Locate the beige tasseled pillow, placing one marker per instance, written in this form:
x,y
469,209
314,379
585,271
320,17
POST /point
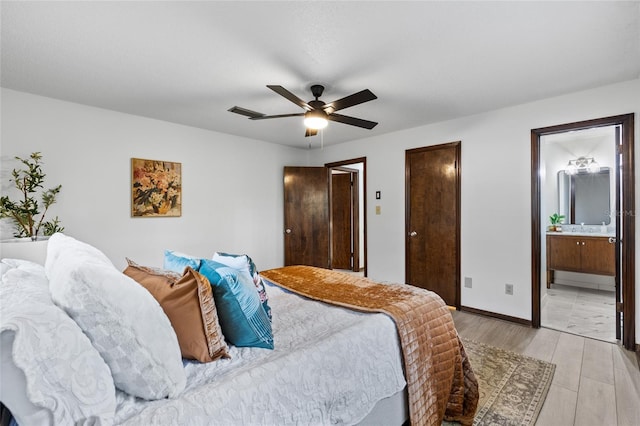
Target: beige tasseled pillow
x,y
188,302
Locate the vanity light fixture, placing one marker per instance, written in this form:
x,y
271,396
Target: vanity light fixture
x,y
593,166
582,165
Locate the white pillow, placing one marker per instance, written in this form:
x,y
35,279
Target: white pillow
x,y
235,261
51,374
122,319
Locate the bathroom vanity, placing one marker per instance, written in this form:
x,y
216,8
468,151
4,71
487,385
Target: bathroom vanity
x,y
588,253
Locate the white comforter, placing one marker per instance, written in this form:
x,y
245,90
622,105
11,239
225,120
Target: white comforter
x,y
329,366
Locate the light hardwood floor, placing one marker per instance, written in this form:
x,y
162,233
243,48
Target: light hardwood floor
x,y
595,382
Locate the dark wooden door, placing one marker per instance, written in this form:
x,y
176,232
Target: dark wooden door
x,y
341,220
306,216
433,220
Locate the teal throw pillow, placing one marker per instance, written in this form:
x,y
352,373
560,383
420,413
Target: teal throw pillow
x,y
247,271
243,319
176,261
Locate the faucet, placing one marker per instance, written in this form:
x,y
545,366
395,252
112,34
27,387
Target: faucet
x,y
581,226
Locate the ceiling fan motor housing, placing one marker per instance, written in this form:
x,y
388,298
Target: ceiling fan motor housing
x,y
316,90
317,104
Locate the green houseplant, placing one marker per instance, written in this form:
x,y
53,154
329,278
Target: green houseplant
x,y
556,222
26,213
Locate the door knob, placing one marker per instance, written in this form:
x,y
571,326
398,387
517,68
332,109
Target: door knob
x,y
288,231
413,233
612,240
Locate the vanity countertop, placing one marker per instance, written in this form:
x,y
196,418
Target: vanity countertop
x,y
582,234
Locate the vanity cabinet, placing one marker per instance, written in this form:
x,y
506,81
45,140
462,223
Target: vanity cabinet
x,y
589,255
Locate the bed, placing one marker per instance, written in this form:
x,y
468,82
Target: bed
x,y
330,363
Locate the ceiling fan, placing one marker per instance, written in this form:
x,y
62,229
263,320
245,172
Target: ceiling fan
x,y
317,112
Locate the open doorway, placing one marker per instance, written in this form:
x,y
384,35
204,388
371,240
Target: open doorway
x,y
348,218
588,252
308,222
578,261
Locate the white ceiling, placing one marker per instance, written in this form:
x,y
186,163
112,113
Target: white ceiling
x,y
189,62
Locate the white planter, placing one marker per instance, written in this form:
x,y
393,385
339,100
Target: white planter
x,y
24,248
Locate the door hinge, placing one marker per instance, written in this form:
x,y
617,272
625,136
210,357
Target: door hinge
x,y
619,306
618,149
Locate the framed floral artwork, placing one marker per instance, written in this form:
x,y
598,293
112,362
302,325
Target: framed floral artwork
x,y
156,188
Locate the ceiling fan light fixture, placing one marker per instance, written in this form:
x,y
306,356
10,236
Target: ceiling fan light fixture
x,y
315,119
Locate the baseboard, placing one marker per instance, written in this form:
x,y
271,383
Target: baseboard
x,y
495,315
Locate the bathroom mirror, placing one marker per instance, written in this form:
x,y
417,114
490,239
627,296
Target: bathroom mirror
x,y
585,197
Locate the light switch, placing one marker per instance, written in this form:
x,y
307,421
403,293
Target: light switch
x,y
377,209
378,195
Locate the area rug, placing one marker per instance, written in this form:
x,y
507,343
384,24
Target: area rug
x,y
513,387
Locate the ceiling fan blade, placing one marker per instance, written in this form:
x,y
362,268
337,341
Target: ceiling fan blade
x,y
345,119
362,96
264,117
310,132
287,94
243,111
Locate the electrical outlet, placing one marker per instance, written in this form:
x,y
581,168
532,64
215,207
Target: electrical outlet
x,y
467,282
377,209
508,289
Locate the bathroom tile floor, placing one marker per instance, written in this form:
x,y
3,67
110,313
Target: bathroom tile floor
x,y
581,311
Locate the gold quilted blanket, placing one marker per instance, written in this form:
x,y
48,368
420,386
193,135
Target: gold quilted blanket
x,y
440,381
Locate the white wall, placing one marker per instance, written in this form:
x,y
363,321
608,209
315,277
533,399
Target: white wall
x,y
232,195
496,190
232,187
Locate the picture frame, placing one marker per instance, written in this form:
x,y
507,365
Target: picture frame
x,y
156,188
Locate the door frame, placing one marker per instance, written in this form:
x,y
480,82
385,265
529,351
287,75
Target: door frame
x,y
627,254
346,163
